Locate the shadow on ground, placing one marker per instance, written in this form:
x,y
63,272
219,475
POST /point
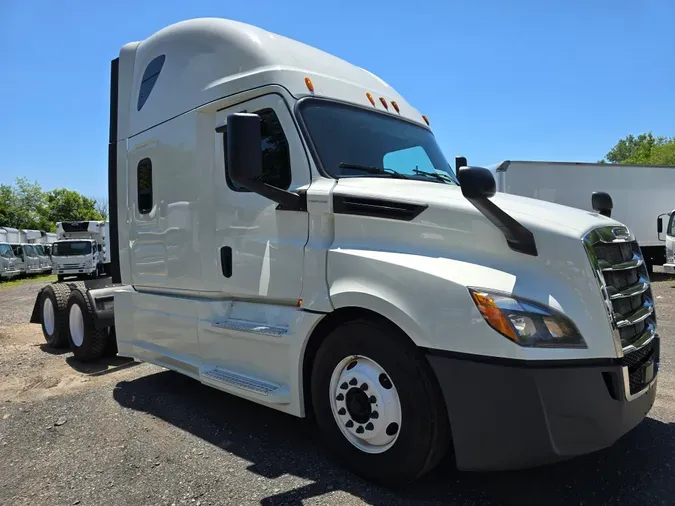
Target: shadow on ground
x,y
102,366
636,470
44,347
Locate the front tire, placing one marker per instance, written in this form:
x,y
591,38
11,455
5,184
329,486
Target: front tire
x,y
377,403
54,317
86,341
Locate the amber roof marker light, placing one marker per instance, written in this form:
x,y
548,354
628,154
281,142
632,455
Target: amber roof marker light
x,y
370,98
309,84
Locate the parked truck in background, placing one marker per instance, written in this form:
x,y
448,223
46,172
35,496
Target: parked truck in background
x,y
82,249
669,219
640,193
8,268
326,261
37,239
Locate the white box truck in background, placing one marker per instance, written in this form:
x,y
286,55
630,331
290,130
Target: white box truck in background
x,y
640,193
312,268
8,267
669,220
82,249
37,239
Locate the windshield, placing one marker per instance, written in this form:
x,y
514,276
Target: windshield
x,y
30,250
71,248
352,142
40,249
6,251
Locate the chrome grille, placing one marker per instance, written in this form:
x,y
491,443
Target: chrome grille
x,y
623,278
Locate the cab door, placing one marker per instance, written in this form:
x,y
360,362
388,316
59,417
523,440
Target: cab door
x,y
255,267
670,240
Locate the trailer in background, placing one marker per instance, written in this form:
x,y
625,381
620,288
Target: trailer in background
x,y
640,193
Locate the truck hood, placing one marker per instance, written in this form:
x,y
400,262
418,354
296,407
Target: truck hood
x,y
531,213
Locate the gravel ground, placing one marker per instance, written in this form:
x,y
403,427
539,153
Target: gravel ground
x,y
118,432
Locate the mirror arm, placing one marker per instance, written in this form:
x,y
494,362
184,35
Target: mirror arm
x,y
288,201
518,237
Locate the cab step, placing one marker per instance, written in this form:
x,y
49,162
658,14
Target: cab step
x,y
229,380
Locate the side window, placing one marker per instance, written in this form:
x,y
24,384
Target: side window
x,y
144,185
671,226
149,79
276,157
405,160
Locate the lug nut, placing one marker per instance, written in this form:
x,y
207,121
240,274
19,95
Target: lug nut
x,y
372,399
353,381
340,397
349,424
359,429
375,415
364,386
342,411
344,386
370,426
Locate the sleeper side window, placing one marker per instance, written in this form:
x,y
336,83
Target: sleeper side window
x,y
149,79
276,157
144,185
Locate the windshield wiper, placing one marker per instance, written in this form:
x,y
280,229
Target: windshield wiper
x,y
373,170
440,177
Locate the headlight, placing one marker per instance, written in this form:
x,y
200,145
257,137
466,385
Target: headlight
x,y
525,322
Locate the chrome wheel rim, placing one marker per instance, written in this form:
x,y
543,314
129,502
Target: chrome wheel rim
x,y
365,404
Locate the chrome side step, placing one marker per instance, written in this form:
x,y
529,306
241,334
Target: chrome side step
x,y
236,382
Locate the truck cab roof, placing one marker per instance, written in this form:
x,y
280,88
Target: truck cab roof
x,y
194,62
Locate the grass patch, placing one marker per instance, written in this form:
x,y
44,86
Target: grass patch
x,y
44,278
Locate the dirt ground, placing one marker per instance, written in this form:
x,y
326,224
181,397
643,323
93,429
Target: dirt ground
x,y
119,432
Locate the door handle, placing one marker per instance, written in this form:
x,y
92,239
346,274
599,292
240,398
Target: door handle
x,y
226,261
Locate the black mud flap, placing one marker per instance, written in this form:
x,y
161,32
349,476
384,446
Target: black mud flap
x,y
36,315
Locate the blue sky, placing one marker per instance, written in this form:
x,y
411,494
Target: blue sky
x,y
519,79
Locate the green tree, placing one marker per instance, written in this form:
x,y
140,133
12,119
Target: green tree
x,y
643,149
69,205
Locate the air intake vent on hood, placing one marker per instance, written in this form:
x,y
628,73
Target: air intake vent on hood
x,y
377,208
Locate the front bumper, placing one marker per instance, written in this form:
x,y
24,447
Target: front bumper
x,y
518,415
669,268
9,274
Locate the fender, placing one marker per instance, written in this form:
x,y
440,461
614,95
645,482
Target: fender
x,y
441,314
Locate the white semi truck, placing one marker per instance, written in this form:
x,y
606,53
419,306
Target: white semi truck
x,y
327,262
82,249
640,193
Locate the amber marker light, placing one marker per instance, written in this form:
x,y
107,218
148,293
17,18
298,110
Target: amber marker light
x,y
370,98
309,84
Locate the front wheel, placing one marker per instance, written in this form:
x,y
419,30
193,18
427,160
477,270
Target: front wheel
x,y
377,403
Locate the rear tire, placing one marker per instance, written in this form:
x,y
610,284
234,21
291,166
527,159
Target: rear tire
x,y
378,404
86,341
53,315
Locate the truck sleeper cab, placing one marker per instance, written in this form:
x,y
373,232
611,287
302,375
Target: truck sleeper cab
x,y
326,259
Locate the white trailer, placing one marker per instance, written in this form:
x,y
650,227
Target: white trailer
x,y
640,193
324,261
82,249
